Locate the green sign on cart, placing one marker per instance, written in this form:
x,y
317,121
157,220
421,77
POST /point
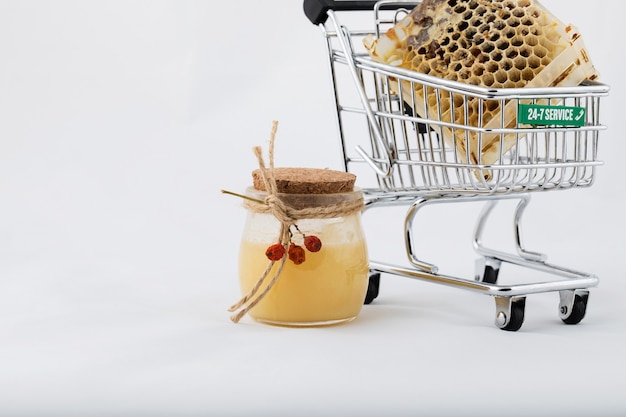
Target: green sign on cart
x,y
536,114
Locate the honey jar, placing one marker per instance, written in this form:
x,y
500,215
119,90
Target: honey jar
x,y
303,258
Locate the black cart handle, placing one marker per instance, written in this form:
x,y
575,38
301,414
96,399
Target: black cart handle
x,y
317,10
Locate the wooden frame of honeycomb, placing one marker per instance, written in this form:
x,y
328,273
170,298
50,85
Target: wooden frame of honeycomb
x,y
497,44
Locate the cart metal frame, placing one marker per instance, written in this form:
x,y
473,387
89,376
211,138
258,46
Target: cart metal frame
x,y
413,166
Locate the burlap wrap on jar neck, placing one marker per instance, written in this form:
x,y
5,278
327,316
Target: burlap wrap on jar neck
x,y
286,214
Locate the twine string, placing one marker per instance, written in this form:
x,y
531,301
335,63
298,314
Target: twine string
x,y
247,302
287,216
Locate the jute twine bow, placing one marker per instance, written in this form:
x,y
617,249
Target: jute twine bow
x,y
287,216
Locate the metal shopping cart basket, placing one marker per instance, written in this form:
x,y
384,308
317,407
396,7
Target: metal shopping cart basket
x,y
414,166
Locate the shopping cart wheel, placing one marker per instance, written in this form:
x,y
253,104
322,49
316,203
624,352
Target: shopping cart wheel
x,y
490,276
573,305
372,287
510,312
487,270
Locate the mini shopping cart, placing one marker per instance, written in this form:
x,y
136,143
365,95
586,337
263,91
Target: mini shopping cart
x,y
413,166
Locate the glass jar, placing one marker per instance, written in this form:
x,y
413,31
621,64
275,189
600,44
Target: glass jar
x,y
329,286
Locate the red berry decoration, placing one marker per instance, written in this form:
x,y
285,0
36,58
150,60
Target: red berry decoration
x,y
313,243
296,254
275,252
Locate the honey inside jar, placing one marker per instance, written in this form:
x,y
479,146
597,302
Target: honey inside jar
x,y
328,288
322,286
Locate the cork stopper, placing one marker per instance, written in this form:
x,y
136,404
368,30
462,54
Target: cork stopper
x,y
307,181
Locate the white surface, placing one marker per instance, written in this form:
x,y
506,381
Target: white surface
x,y
119,124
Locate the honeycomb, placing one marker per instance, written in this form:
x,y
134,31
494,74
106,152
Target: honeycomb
x,y
489,43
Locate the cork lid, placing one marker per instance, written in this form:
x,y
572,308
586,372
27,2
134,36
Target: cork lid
x,y
307,181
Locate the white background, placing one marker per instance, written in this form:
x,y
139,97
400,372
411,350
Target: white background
x,y
120,121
